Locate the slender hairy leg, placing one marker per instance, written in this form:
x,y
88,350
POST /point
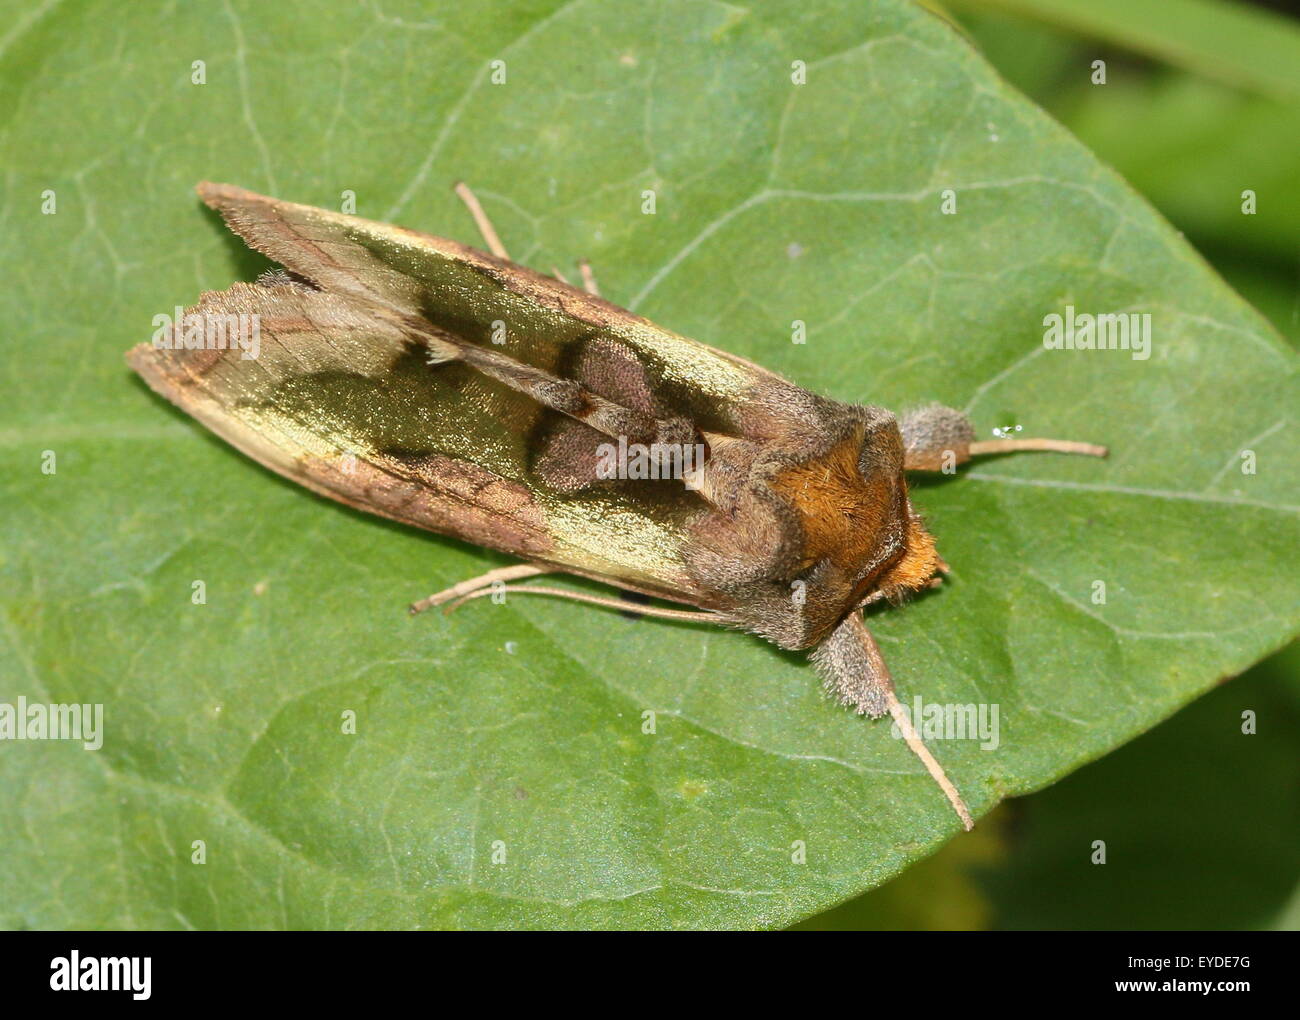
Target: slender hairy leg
x,y
493,240
481,221
483,582
688,615
937,438
855,673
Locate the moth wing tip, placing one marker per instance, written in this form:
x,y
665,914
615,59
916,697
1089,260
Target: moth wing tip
x,y
143,360
135,356
209,190
219,195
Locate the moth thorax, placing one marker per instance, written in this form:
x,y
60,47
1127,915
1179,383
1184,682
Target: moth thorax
x,y
845,517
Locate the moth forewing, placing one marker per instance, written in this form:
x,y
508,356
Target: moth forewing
x,y
426,381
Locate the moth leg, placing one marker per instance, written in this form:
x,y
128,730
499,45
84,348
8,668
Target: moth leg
x,y
483,582
588,277
688,615
854,673
937,438
481,221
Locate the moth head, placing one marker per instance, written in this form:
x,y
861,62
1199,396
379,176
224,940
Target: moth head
x,y
912,571
803,531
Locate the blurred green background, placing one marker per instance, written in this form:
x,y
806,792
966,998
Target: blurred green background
x,y
1201,823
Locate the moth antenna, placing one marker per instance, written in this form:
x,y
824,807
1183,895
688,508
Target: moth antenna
x,y
481,221
687,615
984,446
588,278
555,271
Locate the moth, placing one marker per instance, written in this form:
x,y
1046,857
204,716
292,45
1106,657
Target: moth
x,y
451,389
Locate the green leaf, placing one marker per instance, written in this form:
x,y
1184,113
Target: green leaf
x,y
519,727
1194,146
1199,819
1185,143
1236,43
